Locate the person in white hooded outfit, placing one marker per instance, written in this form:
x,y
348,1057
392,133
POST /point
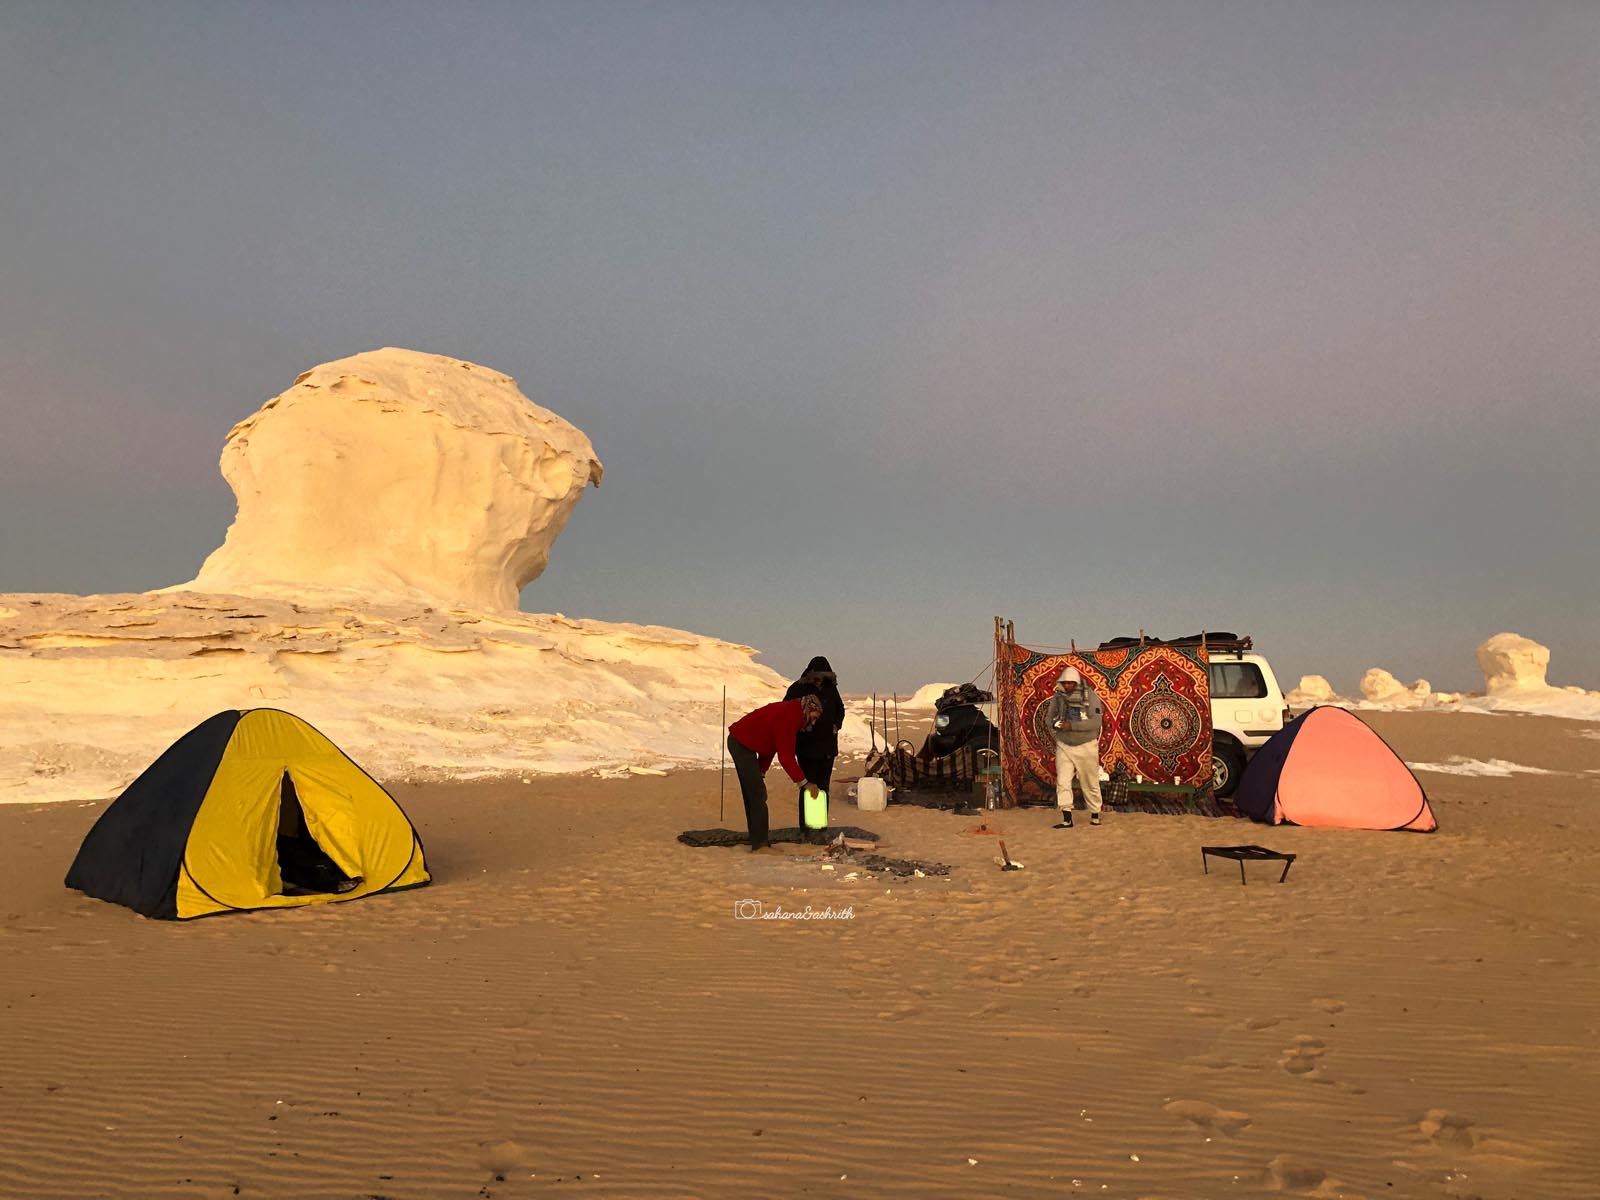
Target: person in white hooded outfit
x,y
1073,715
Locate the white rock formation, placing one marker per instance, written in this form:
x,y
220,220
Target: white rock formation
x,y
1380,686
1513,665
93,688
396,475
1380,689
926,695
1311,691
1514,670
391,505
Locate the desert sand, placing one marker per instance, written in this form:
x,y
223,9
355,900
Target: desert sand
x,y
573,1007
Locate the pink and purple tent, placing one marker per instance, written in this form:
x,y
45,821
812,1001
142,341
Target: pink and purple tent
x,y
1327,767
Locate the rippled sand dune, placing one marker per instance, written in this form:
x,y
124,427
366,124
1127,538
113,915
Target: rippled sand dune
x,y
574,1007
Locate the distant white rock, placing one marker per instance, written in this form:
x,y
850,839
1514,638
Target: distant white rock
x,y
1311,690
1380,689
1514,670
1512,664
397,475
925,695
1380,686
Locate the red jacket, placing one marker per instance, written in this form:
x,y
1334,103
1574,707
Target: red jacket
x,y
770,730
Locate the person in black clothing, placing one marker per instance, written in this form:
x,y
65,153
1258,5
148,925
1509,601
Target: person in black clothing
x,y
817,747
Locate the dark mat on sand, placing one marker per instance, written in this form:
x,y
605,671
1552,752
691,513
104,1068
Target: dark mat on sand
x,y
793,833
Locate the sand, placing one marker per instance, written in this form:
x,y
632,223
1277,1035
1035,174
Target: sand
x,y
573,1008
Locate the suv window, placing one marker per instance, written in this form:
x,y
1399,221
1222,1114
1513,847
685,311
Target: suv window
x,y
1237,681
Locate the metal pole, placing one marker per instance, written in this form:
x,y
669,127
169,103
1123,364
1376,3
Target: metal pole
x,y
722,786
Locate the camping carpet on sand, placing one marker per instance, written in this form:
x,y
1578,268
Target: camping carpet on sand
x,y
792,833
1157,714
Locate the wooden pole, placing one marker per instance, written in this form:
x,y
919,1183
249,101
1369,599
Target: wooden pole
x,y
1002,703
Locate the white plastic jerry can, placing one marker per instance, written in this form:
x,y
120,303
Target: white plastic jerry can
x,y
872,794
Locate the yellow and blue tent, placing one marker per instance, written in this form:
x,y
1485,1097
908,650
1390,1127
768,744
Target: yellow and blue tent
x,y
250,809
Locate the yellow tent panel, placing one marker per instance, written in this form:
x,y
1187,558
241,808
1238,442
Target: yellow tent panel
x,y
276,769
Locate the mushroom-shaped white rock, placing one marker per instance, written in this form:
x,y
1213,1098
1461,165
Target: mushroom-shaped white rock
x,y
398,474
1512,663
1312,690
1377,684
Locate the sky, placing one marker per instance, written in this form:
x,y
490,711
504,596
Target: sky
x,y
884,318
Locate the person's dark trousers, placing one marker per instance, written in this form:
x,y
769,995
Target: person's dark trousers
x,y
753,787
818,771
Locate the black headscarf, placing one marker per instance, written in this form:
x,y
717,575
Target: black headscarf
x,y
822,739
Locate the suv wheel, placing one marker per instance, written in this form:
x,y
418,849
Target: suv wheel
x,y
1227,764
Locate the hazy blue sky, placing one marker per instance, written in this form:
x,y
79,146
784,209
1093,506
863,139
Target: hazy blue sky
x,y
884,317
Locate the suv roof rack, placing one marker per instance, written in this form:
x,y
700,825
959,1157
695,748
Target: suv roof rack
x,y
1228,643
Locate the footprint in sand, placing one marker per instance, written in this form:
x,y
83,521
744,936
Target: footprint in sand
x,y
1207,1116
1256,1023
901,1013
1287,1173
1448,1129
1327,1005
503,1157
1301,1058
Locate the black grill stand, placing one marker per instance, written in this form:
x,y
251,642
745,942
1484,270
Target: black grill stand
x,y
1240,853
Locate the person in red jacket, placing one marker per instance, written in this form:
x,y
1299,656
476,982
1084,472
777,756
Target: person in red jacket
x,y
753,740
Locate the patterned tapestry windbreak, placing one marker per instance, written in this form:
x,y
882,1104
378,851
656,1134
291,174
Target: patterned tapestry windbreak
x,y
1157,714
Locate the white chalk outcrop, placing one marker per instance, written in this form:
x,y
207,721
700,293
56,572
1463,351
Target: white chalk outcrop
x,y
396,475
926,695
1513,665
391,505
93,688
1513,668
1310,692
1379,687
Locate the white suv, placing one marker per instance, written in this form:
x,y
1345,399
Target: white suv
x,y
1247,708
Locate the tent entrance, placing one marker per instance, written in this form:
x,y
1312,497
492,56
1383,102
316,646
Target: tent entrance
x,y
304,866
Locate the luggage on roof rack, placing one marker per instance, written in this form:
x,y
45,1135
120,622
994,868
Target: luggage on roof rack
x,y
962,693
1227,642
